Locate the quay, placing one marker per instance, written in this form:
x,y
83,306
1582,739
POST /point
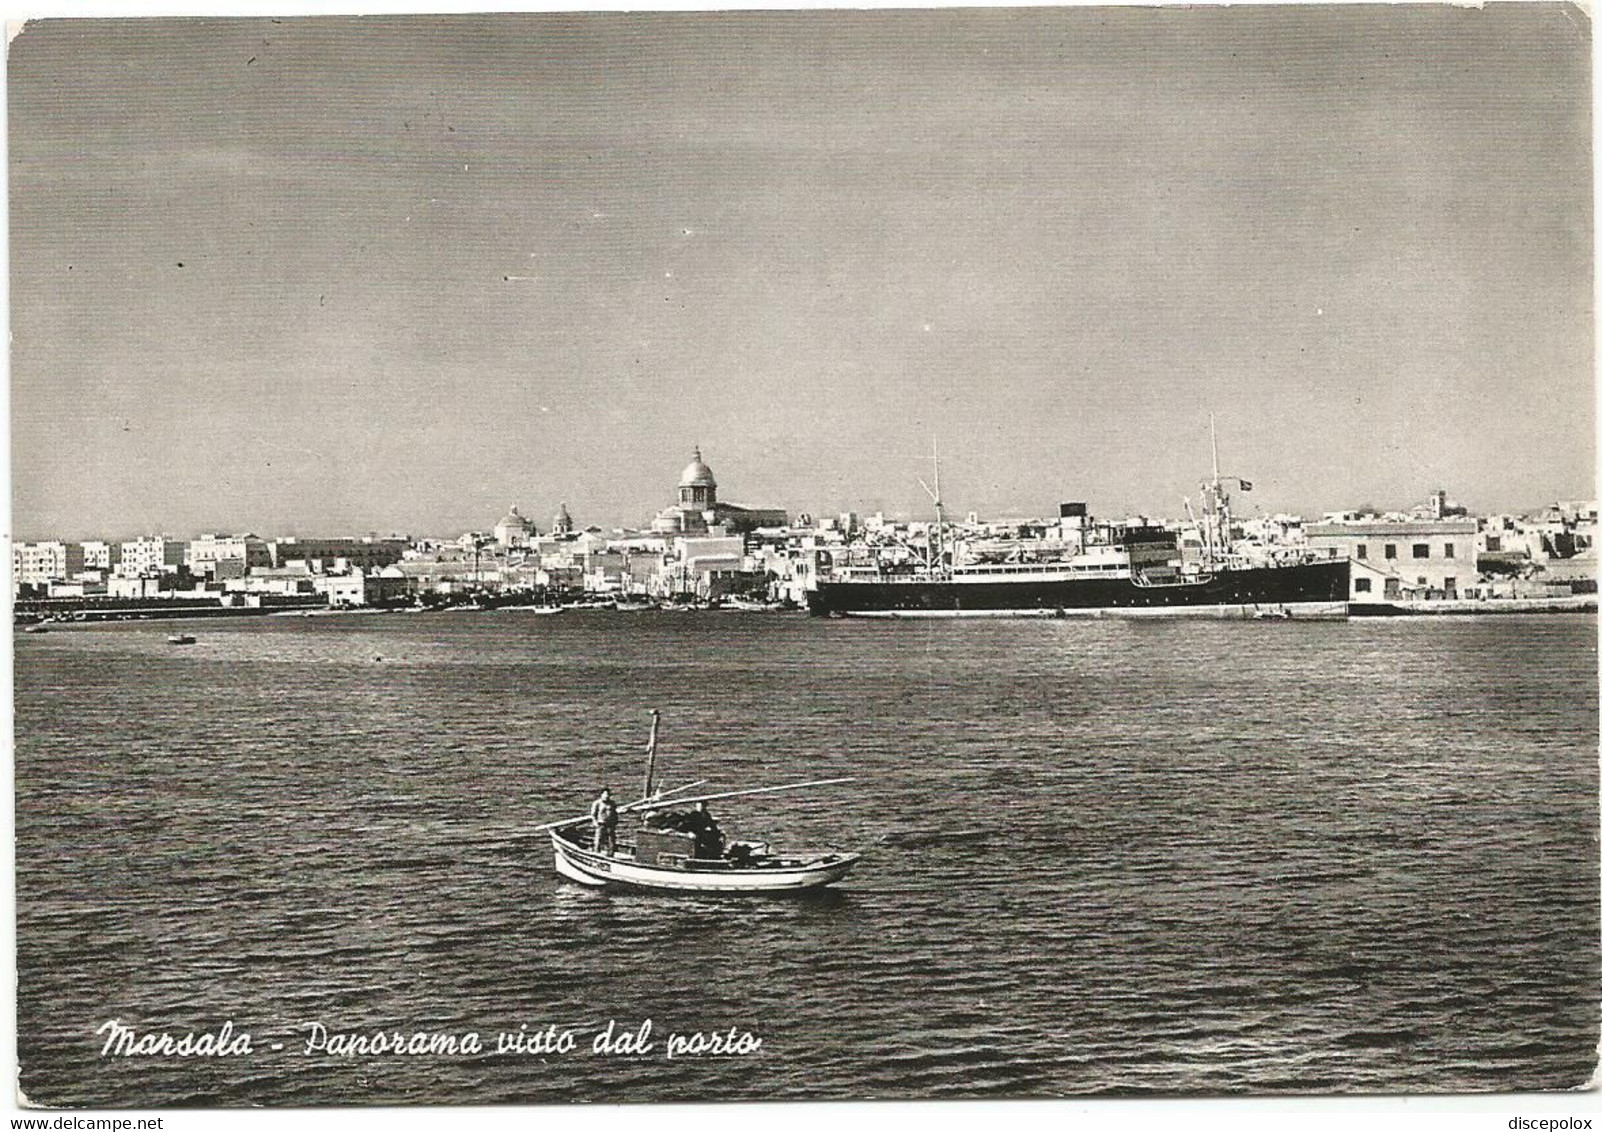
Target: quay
x,y
1474,607
85,610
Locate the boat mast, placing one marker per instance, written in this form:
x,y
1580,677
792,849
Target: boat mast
x,y
650,753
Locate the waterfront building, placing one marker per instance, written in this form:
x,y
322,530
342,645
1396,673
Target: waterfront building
x,y
103,556
142,585
246,552
638,570
559,577
582,545
40,563
1401,560
702,566
363,588
604,571
1533,554
86,585
1505,538
451,571
339,554
1578,571
293,579
152,554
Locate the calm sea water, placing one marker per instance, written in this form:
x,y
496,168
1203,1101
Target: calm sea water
x,y
1103,857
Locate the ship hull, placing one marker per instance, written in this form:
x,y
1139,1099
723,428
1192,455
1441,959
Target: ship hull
x,y
708,877
1310,590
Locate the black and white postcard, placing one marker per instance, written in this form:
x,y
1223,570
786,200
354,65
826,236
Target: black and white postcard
x,y
803,555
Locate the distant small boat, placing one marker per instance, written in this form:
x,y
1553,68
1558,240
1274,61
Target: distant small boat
x,y
748,605
37,627
547,610
1280,614
181,639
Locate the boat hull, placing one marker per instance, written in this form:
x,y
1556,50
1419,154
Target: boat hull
x,y
1310,590
599,870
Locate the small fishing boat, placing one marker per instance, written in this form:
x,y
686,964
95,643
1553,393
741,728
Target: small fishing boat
x,y
666,859
548,610
181,639
748,605
762,872
37,627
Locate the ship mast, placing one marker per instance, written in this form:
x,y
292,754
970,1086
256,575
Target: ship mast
x,y
1215,504
1212,429
1218,531
937,533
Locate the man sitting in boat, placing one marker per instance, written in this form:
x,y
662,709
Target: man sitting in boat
x,y
708,837
603,813
699,822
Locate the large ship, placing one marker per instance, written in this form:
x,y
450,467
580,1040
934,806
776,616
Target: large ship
x,y
1077,566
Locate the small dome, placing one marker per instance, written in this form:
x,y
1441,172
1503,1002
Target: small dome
x,y
697,474
513,518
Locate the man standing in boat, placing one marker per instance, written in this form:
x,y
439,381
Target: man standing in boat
x,y
603,812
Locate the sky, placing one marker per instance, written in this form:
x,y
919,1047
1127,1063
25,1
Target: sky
x,y
338,275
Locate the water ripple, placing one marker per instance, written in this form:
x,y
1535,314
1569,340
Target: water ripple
x,y
1104,859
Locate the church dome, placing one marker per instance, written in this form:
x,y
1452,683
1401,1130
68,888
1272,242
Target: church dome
x,y
697,474
513,519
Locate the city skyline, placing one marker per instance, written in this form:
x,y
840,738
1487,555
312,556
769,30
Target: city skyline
x,y
1244,508
321,274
